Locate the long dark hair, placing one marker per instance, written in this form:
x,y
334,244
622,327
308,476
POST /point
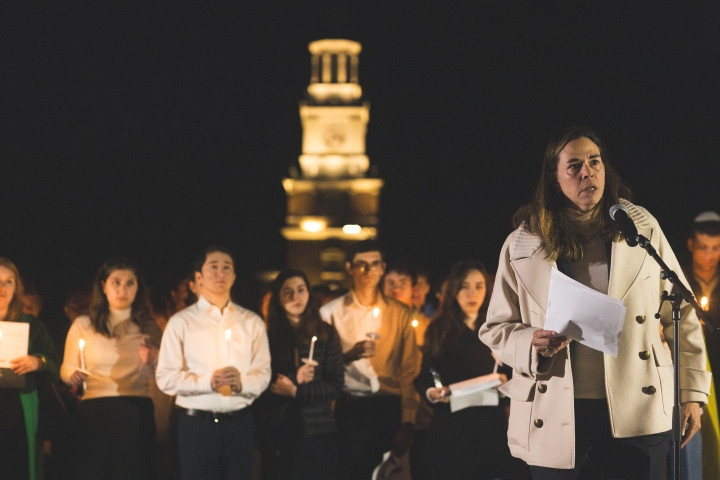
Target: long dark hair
x,y
99,307
280,330
14,311
546,214
447,327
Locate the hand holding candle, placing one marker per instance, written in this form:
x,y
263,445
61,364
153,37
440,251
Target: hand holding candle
x,y
81,374
307,372
81,344
705,304
372,336
226,388
312,348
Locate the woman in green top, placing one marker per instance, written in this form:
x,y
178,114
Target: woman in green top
x,y
20,456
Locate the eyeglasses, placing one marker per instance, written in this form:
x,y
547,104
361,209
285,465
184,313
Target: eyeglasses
x,y
365,267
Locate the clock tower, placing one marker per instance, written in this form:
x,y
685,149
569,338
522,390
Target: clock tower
x,y
331,201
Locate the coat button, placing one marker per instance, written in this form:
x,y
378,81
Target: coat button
x,y
640,319
538,423
644,355
649,390
542,388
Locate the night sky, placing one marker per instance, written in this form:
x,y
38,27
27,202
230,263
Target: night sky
x,y
155,131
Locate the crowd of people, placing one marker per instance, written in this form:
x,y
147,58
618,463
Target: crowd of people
x,y
364,383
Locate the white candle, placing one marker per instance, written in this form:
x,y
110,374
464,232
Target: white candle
x,y
81,344
312,349
227,336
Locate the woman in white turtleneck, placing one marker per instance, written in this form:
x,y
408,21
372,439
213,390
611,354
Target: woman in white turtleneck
x,y
115,365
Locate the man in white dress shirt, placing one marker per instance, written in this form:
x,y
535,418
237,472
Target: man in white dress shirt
x,y
215,358
377,410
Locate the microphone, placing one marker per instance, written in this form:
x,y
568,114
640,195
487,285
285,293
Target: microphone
x,y
619,213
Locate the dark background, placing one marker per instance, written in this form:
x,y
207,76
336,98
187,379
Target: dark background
x,y
154,131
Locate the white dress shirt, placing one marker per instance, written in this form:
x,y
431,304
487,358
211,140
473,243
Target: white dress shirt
x,y
396,362
195,344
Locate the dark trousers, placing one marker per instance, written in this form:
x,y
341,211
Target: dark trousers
x,y
216,450
14,462
367,427
600,456
117,438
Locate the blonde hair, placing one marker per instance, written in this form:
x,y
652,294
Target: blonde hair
x,y
14,311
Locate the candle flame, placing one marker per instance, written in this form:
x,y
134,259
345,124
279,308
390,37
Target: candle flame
x,y
704,303
414,323
227,334
81,343
0,334
314,339
376,312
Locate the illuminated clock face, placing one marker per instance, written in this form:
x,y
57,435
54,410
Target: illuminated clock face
x,y
334,136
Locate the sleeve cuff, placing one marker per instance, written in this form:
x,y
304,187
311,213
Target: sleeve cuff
x,y
427,395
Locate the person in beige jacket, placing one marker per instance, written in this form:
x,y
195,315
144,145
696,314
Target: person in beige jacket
x,y
575,411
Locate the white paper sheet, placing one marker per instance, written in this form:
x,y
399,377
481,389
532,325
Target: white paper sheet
x,y
13,341
583,314
476,392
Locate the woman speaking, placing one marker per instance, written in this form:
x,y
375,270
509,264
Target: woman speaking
x,y
575,411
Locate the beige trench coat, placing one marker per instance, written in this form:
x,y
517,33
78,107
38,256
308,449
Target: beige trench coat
x,y
638,383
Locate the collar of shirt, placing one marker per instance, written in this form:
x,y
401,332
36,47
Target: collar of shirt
x,y
352,301
206,307
119,316
708,287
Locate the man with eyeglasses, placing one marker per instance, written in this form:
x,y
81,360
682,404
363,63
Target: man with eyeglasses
x,y
377,410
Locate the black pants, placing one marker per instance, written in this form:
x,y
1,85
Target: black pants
x,y
367,427
14,462
600,456
216,450
117,438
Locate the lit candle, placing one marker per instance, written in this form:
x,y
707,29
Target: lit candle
x,y
81,344
227,336
414,323
704,303
376,312
312,349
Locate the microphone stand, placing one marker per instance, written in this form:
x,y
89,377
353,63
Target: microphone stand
x,y
675,299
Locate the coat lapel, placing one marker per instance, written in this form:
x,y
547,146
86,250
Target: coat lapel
x,y
532,269
534,274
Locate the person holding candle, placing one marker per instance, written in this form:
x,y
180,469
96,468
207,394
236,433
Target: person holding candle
x,y
377,410
20,455
399,283
702,455
112,352
297,431
468,443
214,374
